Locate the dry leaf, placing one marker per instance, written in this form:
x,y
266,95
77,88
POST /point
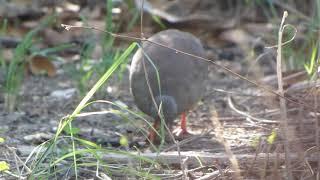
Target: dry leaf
x,y
41,65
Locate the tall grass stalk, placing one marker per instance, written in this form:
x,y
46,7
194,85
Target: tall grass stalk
x,y
15,72
51,154
15,69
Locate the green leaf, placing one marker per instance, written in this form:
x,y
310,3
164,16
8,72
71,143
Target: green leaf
x,y
124,141
4,166
272,137
88,143
2,140
158,21
311,66
51,50
73,130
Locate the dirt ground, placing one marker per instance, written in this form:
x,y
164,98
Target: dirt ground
x,y
39,113
234,115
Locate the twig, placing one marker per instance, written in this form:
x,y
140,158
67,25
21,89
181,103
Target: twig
x,y
201,168
267,89
288,41
14,175
317,136
283,107
252,163
191,139
242,93
316,106
212,175
17,158
152,96
257,60
159,110
247,115
170,158
220,136
184,166
241,118
102,176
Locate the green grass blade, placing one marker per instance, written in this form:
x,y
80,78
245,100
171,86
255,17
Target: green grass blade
x,y
100,82
47,51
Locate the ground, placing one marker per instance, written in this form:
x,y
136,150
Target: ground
x,y
234,117
39,113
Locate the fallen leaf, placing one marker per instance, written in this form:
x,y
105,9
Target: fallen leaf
x,y
4,166
41,65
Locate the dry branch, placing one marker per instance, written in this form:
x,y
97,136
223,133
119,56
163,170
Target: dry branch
x,y
198,158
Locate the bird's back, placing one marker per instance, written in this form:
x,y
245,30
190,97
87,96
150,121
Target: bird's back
x,y
182,77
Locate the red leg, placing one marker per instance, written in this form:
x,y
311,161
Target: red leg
x,y
152,134
183,126
183,123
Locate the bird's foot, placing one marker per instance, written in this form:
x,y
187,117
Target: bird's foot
x,y
181,133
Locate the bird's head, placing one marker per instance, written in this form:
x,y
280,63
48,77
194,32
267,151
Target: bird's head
x,y
168,107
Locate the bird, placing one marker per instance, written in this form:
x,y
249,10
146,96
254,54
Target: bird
x,y
166,78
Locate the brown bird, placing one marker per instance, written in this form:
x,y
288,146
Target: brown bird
x,y
176,80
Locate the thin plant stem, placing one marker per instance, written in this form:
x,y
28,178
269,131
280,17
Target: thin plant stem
x,y
265,88
283,107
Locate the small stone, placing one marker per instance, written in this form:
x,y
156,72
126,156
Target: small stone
x,y
37,138
64,94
